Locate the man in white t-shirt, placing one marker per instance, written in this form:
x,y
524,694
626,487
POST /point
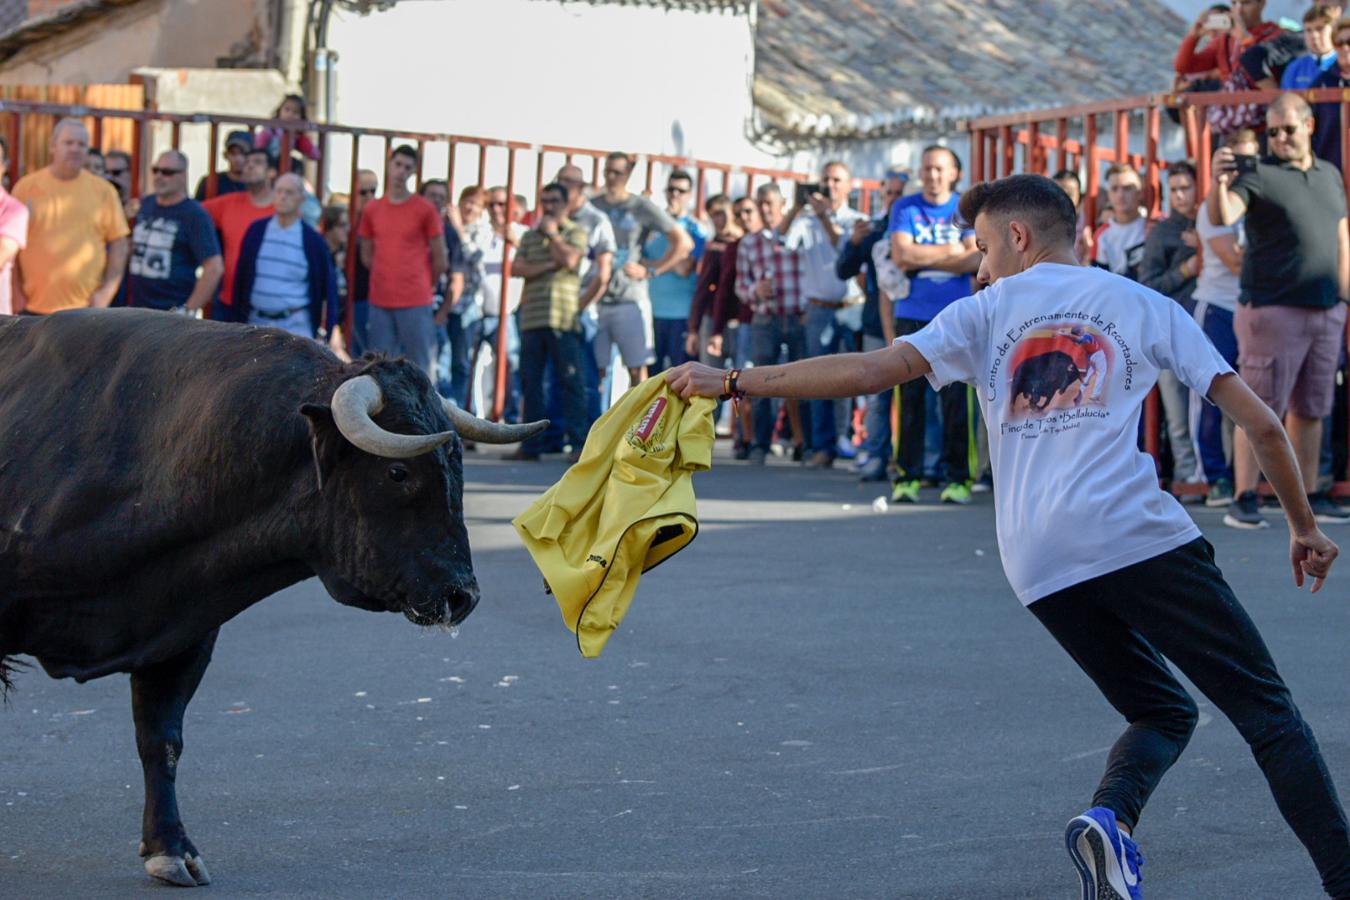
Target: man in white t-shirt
x,y
1119,244
1111,565
1216,298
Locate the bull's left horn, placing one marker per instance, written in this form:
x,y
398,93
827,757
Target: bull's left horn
x,y
472,428
355,402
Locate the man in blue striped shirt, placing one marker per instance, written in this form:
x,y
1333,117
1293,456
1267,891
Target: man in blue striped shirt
x,y
286,277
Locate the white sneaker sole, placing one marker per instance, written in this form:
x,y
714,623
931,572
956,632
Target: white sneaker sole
x,y
1247,526
1098,868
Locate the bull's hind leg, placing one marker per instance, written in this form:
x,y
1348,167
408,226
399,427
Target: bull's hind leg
x,y
159,696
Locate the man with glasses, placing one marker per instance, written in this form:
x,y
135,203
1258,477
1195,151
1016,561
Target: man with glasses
x,y
672,292
77,233
403,245
550,262
172,239
237,145
1290,319
858,254
624,313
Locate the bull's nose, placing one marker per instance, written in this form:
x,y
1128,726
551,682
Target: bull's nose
x,y
462,603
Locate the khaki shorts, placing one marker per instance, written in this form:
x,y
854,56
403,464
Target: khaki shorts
x,y
629,326
1288,355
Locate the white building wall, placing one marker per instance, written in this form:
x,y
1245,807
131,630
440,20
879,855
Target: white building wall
x,y
634,78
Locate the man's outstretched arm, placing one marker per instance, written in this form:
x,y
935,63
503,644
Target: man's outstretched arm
x,y
822,378
1310,551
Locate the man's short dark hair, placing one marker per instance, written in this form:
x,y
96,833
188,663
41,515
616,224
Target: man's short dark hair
x,y
1067,175
405,150
1033,198
259,151
123,155
715,201
554,187
1181,167
680,175
619,154
432,182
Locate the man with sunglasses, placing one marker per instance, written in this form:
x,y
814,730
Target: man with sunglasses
x,y
172,239
672,292
1290,319
624,311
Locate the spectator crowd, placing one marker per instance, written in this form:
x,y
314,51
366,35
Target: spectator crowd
x,y
610,286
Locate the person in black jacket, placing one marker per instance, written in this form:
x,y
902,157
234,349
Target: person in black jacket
x,y
878,328
1169,266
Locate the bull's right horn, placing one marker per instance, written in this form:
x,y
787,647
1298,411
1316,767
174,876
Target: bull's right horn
x,y
472,428
355,402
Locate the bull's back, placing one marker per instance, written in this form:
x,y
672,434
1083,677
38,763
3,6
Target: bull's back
x,y
117,424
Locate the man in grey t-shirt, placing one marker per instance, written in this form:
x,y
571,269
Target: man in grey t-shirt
x,y
624,312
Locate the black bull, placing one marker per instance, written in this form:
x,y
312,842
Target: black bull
x,y
1039,378
158,475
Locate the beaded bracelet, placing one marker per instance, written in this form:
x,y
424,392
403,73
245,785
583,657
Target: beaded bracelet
x,y
730,391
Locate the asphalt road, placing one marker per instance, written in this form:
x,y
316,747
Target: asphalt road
x,y
813,700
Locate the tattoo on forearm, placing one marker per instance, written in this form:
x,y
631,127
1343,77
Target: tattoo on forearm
x,y
773,377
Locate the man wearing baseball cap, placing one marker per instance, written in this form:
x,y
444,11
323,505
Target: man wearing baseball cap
x,y
237,145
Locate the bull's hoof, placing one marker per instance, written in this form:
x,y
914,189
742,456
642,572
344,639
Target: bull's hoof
x,y
184,871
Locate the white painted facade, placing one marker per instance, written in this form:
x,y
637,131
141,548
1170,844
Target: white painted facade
x,y
637,78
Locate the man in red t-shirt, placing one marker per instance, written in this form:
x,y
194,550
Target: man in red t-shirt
x,y
1224,47
402,243
233,213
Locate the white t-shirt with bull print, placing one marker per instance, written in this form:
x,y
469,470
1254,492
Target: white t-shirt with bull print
x,y
1062,358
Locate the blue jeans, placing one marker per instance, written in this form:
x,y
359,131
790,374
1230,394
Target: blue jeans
x,y
407,331
768,334
825,335
669,343
1217,325
564,350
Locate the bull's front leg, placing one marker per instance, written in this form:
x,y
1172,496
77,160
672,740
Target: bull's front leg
x,y
159,696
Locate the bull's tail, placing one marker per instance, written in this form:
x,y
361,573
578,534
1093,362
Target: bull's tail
x,y
8,666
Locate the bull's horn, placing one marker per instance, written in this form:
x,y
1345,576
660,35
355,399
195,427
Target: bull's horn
x,y
355,402
472,428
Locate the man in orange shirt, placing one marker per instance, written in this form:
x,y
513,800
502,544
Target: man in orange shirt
x,y
403,245
77,236
233,213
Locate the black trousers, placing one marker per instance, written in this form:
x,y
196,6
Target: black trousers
x,y
1119,626
956,437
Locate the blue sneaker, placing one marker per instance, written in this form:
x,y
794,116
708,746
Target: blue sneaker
x,y
1108,861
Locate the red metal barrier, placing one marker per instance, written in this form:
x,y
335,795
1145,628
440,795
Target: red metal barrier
x,y
490,151
993,139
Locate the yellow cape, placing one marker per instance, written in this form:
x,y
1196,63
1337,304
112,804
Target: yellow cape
x,y
626,506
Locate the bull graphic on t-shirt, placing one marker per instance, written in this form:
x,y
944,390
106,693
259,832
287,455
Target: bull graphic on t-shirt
x,y
1050,361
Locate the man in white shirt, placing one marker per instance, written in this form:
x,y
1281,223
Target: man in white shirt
x,y
815,226
1119,244
1111,565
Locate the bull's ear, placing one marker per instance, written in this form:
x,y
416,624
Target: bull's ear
x,y
325,441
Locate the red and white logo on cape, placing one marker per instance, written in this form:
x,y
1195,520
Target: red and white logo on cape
x,y
647,424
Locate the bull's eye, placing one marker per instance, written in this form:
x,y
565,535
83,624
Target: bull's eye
x,y
398,472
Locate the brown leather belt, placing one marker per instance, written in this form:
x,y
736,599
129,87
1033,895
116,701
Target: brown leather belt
x,y
828,304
